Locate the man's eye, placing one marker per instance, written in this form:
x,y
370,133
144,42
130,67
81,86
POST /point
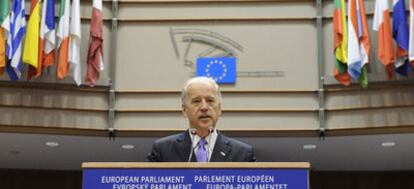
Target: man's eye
x,y
196,101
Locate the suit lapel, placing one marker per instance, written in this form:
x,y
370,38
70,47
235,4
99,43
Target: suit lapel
x,y
183,146
222,149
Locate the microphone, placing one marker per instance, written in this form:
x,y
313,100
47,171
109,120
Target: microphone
x,y
210,130
193,146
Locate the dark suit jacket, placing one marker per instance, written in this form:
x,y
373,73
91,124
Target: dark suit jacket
x,y
177,148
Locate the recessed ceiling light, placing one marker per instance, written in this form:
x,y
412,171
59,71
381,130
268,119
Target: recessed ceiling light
x,y
127,146
14,152
388,144
52,144
309,146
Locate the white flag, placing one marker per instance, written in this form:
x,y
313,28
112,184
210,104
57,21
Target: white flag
x,y
75,42
411,34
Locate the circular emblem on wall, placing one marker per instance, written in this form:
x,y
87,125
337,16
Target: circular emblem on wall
x,y
216,70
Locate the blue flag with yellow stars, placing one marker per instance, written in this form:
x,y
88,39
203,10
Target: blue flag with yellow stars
x,y
223,70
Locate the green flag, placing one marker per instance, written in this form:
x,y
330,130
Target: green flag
x,y
4,31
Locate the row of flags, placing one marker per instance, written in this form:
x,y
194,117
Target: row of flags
x,y
37,41
352,40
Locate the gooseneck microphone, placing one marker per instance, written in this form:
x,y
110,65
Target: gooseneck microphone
x,y
210,130
193,146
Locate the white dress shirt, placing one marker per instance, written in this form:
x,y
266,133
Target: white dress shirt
x,y
210,142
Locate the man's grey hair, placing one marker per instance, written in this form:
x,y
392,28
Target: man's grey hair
x,y
200,80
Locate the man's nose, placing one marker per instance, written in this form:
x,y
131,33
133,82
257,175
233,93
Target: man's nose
x,y
204,106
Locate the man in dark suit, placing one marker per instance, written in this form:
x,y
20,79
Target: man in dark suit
x,y
201,104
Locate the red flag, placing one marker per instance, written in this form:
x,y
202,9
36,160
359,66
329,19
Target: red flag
x,y
95,51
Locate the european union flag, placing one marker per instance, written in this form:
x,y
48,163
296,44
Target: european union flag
x,y
223,70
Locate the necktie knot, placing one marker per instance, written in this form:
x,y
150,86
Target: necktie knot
x,y
202,143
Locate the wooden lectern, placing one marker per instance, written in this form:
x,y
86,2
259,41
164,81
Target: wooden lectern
x,y
213,175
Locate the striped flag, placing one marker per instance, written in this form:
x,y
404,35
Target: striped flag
x,y
47,31
4,32
354,55
75,42
358,42
383,26
46,38
15,40
400,35
340,43
31,42
95,51
63,39
364,42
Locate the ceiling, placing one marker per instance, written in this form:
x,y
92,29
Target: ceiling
x,y
362,152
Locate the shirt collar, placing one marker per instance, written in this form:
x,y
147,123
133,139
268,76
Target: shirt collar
x,y
210,139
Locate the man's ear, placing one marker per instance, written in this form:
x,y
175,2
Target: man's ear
x,y
184,110
219,107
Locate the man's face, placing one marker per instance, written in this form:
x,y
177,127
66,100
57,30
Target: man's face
x,y
202,106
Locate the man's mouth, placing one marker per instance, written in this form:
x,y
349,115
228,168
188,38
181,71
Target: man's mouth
x,y
204,117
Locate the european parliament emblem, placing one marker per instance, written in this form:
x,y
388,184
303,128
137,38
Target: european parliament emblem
x,y
223,70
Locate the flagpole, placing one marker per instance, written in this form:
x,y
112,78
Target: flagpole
x,y
321,71
112,71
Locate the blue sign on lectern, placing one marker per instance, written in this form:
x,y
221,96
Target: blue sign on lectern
x,y
195,178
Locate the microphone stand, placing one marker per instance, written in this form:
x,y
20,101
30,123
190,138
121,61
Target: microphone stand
x,y
210,130
193,146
